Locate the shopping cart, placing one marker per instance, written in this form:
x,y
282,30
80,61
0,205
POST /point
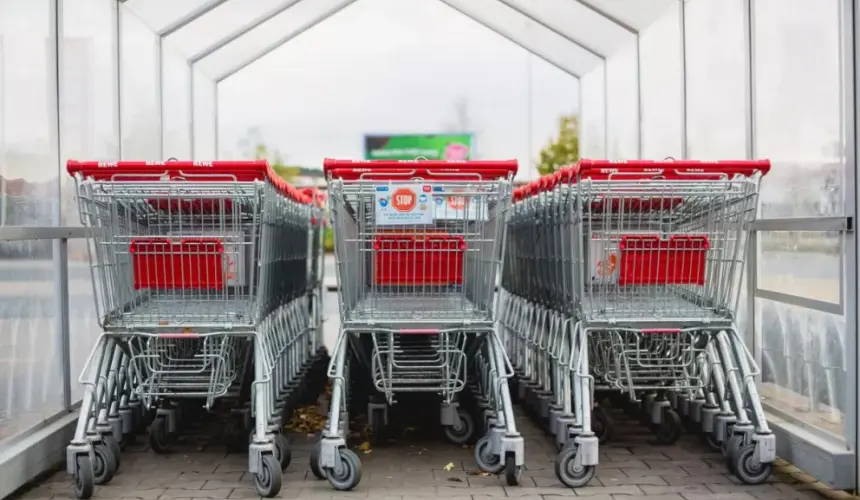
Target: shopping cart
x,y
418,247
625,277
201,276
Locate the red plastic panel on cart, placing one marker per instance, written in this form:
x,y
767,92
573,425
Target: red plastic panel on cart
x,y
650,260
414,260
188,264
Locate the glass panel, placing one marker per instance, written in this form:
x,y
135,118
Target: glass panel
x,y
593,114
88,131
221,22
638,14
804,360
806,264
176,92
158,14
444,83
578,22
798,105
141,134
29,356
661,73
715,79
622,101
205,139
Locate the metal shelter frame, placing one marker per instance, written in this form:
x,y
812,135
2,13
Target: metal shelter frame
x,y
825,457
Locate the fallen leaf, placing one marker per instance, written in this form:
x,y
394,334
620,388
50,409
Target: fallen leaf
x,y
455,480
450,466
364,446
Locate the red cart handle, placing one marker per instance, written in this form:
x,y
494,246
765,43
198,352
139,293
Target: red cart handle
x,y
429,170
664,169
215,171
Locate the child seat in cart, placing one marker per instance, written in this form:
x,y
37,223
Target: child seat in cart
x,y
206,278
418,246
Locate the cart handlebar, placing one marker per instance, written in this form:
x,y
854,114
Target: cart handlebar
x,y
639,170
403,170
199,171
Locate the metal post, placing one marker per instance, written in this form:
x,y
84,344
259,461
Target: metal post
x,y
638,95
60,248
159,71
682,20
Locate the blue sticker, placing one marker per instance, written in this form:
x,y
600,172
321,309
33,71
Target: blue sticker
x,y
383,202
438,189
422,198
382,189
438,200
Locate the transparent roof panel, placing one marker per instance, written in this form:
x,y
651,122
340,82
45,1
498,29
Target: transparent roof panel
x,y
529,34
496,16
578,22
270,35
226,20
636,14
159,14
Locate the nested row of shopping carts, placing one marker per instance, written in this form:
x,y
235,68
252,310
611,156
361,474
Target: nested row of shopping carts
x,y
419,249
207,282
621,283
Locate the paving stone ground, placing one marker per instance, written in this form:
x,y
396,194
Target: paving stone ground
x,y
631,467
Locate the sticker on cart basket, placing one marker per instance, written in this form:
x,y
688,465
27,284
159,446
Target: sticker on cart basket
x,y
403,205
604,259
460,207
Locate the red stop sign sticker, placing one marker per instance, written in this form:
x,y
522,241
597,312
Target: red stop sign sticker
x,y
403,200
457,202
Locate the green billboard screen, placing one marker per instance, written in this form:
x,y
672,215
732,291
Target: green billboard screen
x,y
412,146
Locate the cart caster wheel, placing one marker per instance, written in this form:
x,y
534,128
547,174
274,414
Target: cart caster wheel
x,y
104,464
128,439
283,451
748,469
670,428
316,470
463,430
568,473
159,439
513,472
710,439
84,477
601,424
485,459
114,447
377,431
347,474
268,481
731,449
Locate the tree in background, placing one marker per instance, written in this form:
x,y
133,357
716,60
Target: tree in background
x,y
255,147
563,149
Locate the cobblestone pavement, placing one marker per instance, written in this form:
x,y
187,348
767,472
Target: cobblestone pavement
x,y
631,467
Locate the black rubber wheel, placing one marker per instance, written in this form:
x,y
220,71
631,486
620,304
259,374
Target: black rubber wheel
x,y
159,439
377,431
84,477
513,472
487,461
568,473
104,464
731,449
316,470
670,428
601,424
348,474
710,439
748,469
268,481
283,451
464,432
113,444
